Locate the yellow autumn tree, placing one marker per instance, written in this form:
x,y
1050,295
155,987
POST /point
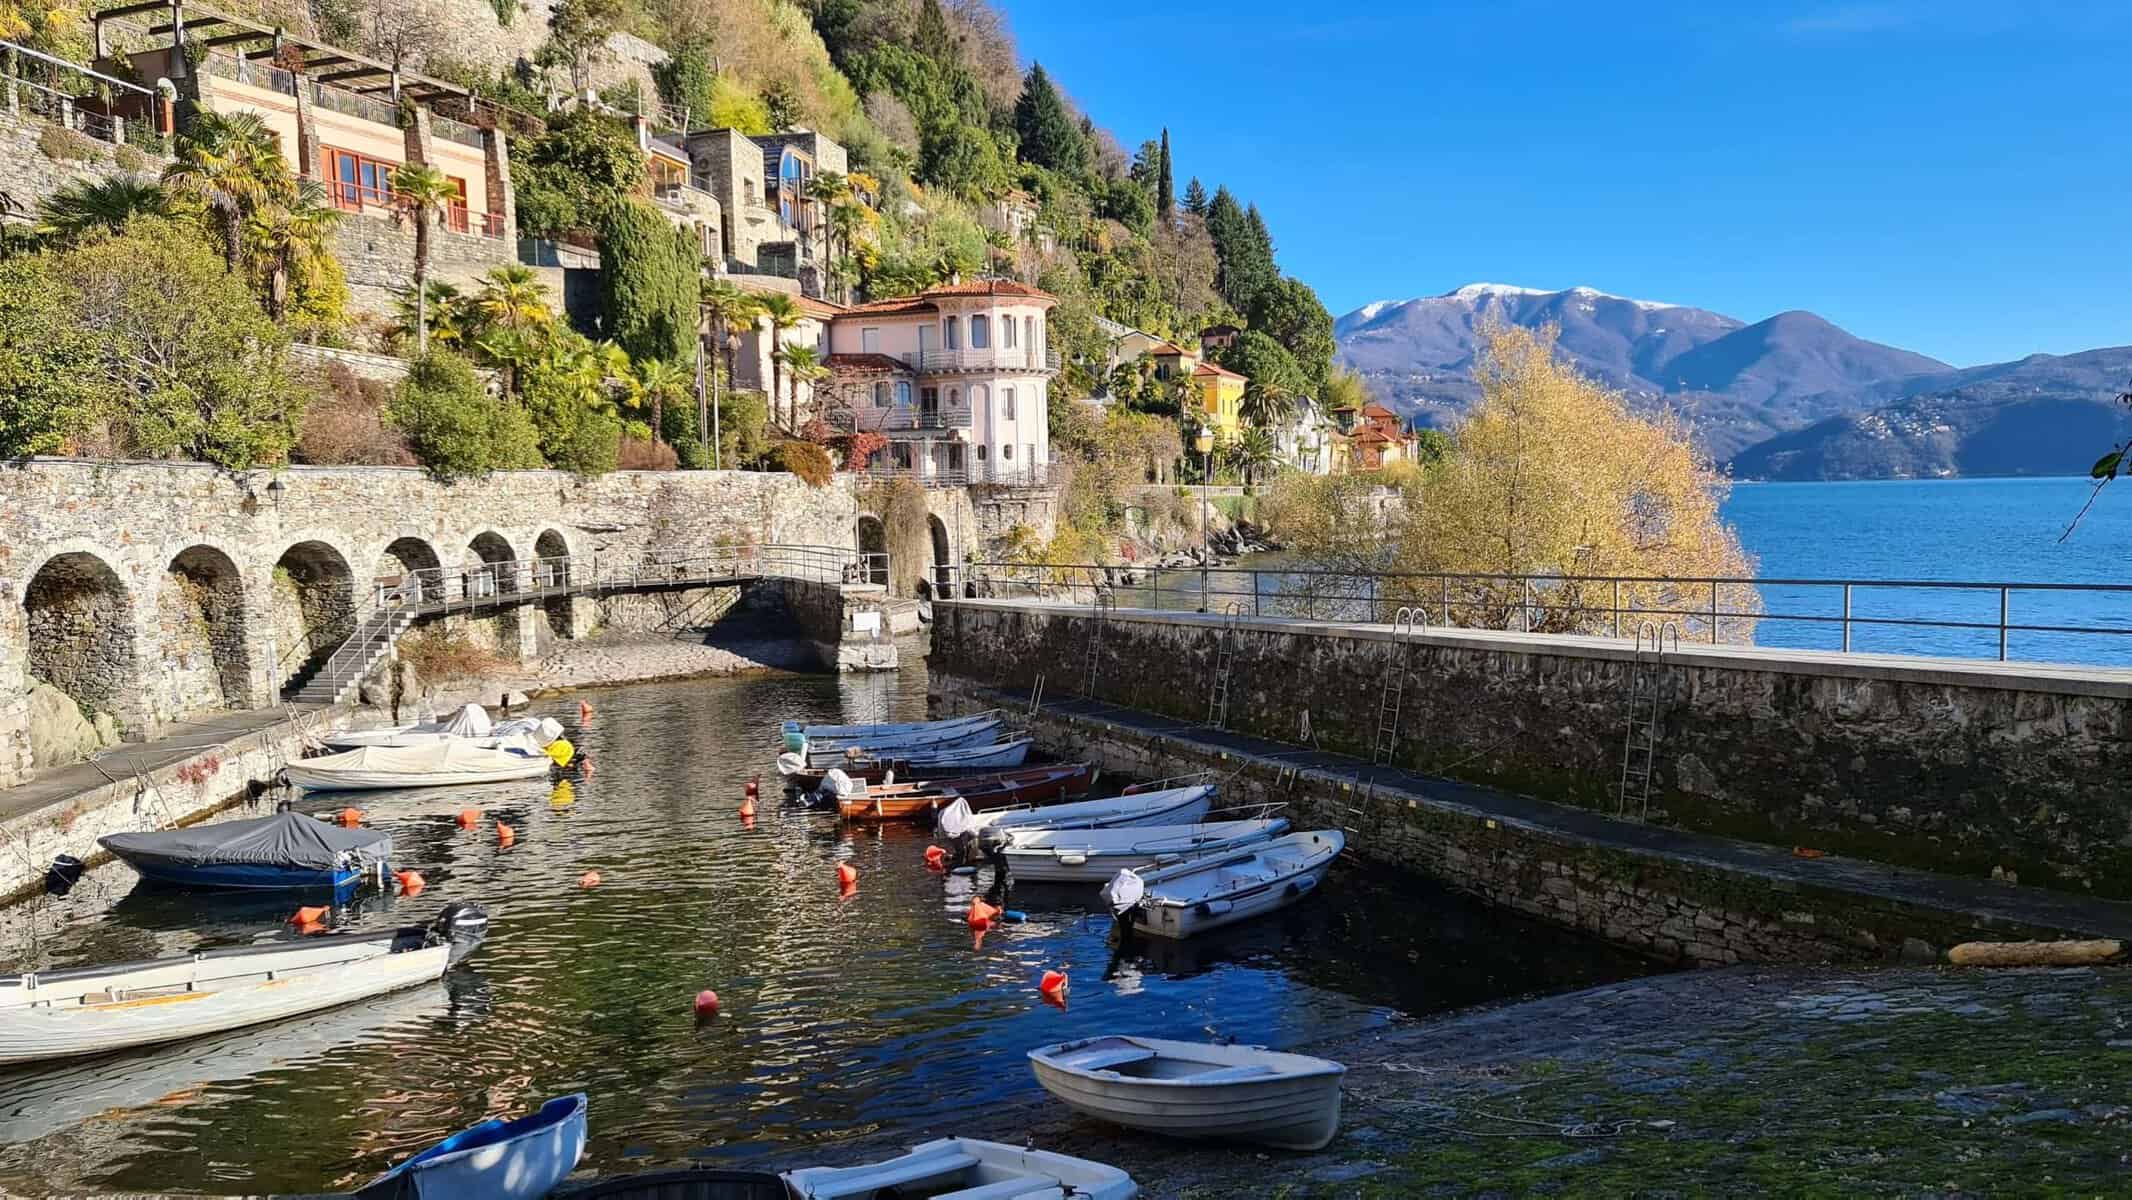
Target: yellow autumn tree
x,y
1554,481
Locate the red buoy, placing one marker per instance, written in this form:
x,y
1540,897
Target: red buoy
x,y
936,858
468,818
584,711
307,918
747,807
982,915
411,882
351,817
706,1003
590,879
847,875
754,785
1052,987
505,835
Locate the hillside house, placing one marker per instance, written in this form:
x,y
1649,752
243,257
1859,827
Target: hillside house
x,y
957,378
1306,440
770,225
1218,390
1378,439
1218,337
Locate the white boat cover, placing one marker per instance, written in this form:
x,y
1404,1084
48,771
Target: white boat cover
x,y
1123,891
454,757
285,839
470,721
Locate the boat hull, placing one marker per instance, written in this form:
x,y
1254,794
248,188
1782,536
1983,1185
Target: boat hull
x,y
1026,787
995,757
1188,806
518,1160
35,1033
1167,915
1285,1109
374,781
258,877
1089,856
796,735
965,1165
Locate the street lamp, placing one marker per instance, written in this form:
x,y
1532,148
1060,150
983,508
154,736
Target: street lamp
x,y
1203,442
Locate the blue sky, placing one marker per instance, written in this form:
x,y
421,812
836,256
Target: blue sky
x,y
1950,176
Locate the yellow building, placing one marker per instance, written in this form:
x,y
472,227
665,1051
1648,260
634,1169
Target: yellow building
x,y
1221,399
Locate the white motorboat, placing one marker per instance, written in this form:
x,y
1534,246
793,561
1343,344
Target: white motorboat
x,y
1171,806
92,1010
445,763
470,723
915,764
965,1167
824,735
1208,893
1194,1090
1094,855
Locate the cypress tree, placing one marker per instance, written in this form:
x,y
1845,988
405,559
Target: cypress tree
x,y
1165,193
1047,131
1260,235
932,37
1243,254
1195,198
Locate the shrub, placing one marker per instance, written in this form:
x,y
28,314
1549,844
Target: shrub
x,y
569,176
345,424
743,429
649,278
65,145
637,454
130,159
807,460
451,423
438,655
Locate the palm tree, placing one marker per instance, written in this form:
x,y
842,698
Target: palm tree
x,y
659,381
1266,403
230,164
511,297
436,314
85,207
783,312
421,192
729,311
289,235
804,365
1253,451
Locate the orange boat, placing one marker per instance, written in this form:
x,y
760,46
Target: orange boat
x,y
912,801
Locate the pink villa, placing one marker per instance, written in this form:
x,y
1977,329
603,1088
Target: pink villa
x,y
957,378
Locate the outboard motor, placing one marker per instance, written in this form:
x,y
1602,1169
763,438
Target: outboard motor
x,y
1123,894
63,874
463,925
836,785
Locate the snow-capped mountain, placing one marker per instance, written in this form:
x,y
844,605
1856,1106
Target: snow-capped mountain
x,y
1738,382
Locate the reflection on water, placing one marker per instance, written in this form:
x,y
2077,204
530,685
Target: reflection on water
x,y
840,1016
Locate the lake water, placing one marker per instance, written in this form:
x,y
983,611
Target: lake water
x,y
1970,530
841,1017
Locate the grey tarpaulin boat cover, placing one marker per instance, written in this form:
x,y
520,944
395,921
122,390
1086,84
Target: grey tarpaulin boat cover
x,y
288,839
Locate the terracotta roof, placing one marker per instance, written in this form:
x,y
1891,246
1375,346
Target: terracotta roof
x,y
1207,368
1163,349
899,306
989,287
864,362
820,308
1372,436
1374,409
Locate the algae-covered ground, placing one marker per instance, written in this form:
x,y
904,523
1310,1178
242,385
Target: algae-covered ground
x,y
1747,1081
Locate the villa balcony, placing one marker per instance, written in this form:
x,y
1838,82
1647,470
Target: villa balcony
x,y
1014,358
903,418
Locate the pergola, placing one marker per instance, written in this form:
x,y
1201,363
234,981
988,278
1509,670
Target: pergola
x,y
187,24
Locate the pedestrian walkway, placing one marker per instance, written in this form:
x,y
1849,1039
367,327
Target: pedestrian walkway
x,y
57,785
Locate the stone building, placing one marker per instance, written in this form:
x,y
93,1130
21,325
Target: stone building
x,y
772,227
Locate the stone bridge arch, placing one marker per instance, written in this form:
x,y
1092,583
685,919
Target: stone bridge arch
x,y
312,603
202,632
550,544
81,625
500,626
402,564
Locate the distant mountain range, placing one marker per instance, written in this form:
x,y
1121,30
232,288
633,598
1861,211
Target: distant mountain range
x,y
1790,397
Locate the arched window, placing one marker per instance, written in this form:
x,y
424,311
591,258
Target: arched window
x,y
903,392
980,454
954,397
880,395
1029,328
1007,451
980,332
1006,401
1006,333
948,336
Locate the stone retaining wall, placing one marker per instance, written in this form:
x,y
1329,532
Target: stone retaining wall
x,y
1952,767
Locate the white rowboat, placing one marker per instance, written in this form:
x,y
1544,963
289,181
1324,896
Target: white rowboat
x,y
444,764
1208,893
796,733
920,763
1193,1090
967,1168
1173,806
822,754
92,1010
1094,855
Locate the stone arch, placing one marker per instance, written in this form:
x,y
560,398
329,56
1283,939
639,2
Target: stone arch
x,y
492,548
492,572
311,608
80,621
200,616
410,568
549,546
873,539
943,556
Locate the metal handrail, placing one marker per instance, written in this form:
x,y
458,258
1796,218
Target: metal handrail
x,y
1709,606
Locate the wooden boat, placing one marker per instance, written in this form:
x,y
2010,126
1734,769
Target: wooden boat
x,y
288,850
1208,893
1094,855
966,1168
91,1010
947,1168
798,735
873,802
999,756
1171,806
945,734
1193,1090
520,1159
440,764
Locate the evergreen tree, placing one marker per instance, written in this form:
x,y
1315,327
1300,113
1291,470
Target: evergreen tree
x,y
1165,189
1243,259
1260,234
1195,198
1048,136
933,38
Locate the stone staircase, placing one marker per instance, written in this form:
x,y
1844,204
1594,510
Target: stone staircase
x,y
335,679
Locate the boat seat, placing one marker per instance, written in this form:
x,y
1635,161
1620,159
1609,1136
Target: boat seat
x,y
1232,1074
1006,1189
862,1181
1098,1060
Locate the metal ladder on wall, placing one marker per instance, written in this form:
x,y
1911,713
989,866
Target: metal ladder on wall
x,y
1398,658
1099,614
1224,666
1639,744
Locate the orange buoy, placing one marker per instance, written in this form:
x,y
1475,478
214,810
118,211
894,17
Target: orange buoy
x,y
936,858
585,762
847,875
468,818
584,711
982,914
351,817
706,1003
505,835
747,820
590,879
1052,987
747,808
411,882
307,917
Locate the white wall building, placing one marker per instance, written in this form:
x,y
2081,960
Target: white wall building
x,y
1305,440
